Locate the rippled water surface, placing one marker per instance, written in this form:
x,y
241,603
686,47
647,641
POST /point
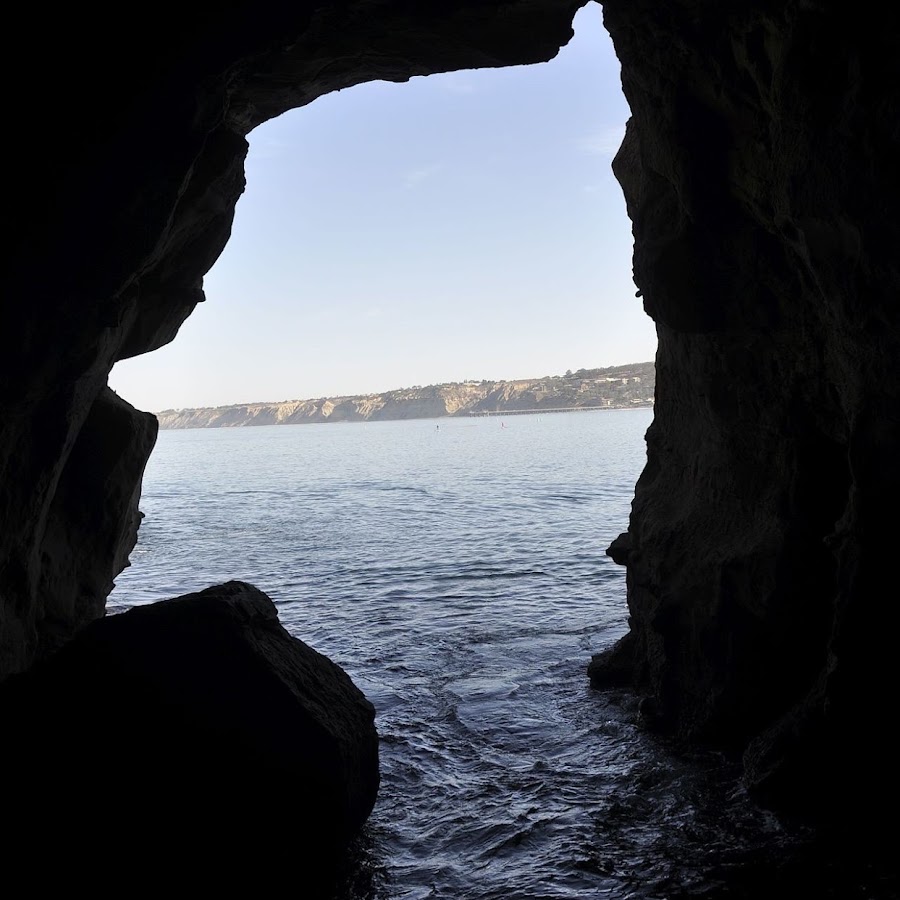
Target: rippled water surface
x,y
456,570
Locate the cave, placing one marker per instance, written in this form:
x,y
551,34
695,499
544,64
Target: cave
x,y
759,171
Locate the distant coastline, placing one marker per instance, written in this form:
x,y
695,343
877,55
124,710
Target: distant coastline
x,y
614,387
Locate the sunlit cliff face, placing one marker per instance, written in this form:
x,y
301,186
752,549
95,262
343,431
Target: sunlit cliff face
x,y
758,168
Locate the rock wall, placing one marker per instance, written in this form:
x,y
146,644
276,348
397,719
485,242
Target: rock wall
x,y
757,167
760,173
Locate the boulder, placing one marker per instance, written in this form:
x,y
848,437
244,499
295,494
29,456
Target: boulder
x,y
198,736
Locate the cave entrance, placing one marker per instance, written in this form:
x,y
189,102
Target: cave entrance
x,y
459,229
453,229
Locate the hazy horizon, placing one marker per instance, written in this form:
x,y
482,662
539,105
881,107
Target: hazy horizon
x,y
463,226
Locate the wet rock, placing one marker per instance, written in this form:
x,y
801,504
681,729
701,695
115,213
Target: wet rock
x,y
614,667
199,724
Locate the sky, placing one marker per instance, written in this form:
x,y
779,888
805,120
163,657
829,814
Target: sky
x,y
455,227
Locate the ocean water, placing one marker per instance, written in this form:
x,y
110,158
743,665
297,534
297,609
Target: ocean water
x,y
455,568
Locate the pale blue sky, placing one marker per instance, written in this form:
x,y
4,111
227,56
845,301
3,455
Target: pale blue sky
x,y
459,226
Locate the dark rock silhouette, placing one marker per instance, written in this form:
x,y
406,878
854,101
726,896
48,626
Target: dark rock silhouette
x,y
198,722
756,566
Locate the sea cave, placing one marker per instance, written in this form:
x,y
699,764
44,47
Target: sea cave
x,y
759,172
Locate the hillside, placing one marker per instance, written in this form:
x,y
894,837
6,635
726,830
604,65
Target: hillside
x,y
616,387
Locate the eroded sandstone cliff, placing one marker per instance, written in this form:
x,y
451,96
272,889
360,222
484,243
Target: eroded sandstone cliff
x,y
616,387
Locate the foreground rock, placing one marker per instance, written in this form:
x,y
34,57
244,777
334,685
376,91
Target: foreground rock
x,y
197,726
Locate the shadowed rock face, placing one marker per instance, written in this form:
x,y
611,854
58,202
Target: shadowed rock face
x,y
198,721
755,167
759,168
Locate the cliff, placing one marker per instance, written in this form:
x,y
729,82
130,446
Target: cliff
x,y
615,387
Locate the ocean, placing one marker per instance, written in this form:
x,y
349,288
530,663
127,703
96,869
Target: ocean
x,y
455,568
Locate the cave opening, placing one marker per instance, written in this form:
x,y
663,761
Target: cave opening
x,y
446,227
764,256
454,568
